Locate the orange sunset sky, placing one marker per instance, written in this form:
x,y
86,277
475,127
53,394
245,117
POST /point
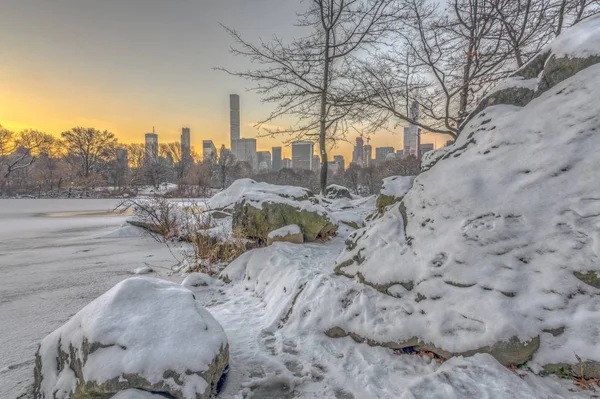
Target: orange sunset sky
x,y
129,65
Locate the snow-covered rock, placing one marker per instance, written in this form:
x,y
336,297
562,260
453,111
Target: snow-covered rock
x,y
136,394
250,190
290,233
394,188
143,333
143,270
498,241
335,191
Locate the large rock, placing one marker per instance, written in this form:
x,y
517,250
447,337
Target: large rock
x,y
335,191
497,242
394,188
145,334
291,233
256,219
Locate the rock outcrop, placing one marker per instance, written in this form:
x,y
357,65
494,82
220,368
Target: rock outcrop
x,y
335,191
145,334
290,233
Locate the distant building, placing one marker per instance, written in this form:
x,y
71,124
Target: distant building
x,y
302,155
368,155
316,163
186,146
122,158
412,133
286,163
339,159
423,148
264,157
151,148
400,154
450,142
276,159
245,150
357,154
391,156
381,153
333,167
208,150
234,118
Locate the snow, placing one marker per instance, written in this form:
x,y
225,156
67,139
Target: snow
x,y
581,40
51,267
516,82
135,394
255,191
143,270
146,327
397,186
196,279
493,234
285,231
124,231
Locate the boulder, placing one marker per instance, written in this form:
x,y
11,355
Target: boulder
x,y
334,191
145,334
393,190
255,220
290,233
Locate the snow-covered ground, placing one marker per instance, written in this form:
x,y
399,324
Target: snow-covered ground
x,y
56,256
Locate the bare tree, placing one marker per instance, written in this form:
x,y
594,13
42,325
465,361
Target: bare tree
x,y
18,152
307,78
225,166
89,148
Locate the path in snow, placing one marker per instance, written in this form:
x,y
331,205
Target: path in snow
x,y
53,262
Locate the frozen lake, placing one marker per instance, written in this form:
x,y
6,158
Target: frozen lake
x,y
55,257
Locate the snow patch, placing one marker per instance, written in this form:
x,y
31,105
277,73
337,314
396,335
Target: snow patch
x,y
290,229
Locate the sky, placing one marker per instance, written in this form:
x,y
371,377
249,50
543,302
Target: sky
x,y
130,65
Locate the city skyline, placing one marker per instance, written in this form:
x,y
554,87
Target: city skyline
x,y
96,64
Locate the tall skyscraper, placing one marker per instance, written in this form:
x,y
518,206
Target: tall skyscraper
x,y
234,117
382,152
412,136
245,150
358,155
186,146
302,154
208,150
276,151
339,159
151,146
368,155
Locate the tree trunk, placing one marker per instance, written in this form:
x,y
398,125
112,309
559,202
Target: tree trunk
x,y
323,116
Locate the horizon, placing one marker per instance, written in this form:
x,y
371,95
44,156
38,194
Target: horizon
x,y
108,66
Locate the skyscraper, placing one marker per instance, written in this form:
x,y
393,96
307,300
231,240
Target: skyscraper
x,y
339,159
151,146
208,150
234,117
382,152
186,146
276,151
368,155
412,132
357,155
302,154
245,150
263,160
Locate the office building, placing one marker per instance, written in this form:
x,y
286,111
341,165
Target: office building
x,y
423,148
357,154
234,118
412,133
276,151
244,150
151,148
186,146
286,163
368,155
209,151
381,153
400,154
339,159
302,155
